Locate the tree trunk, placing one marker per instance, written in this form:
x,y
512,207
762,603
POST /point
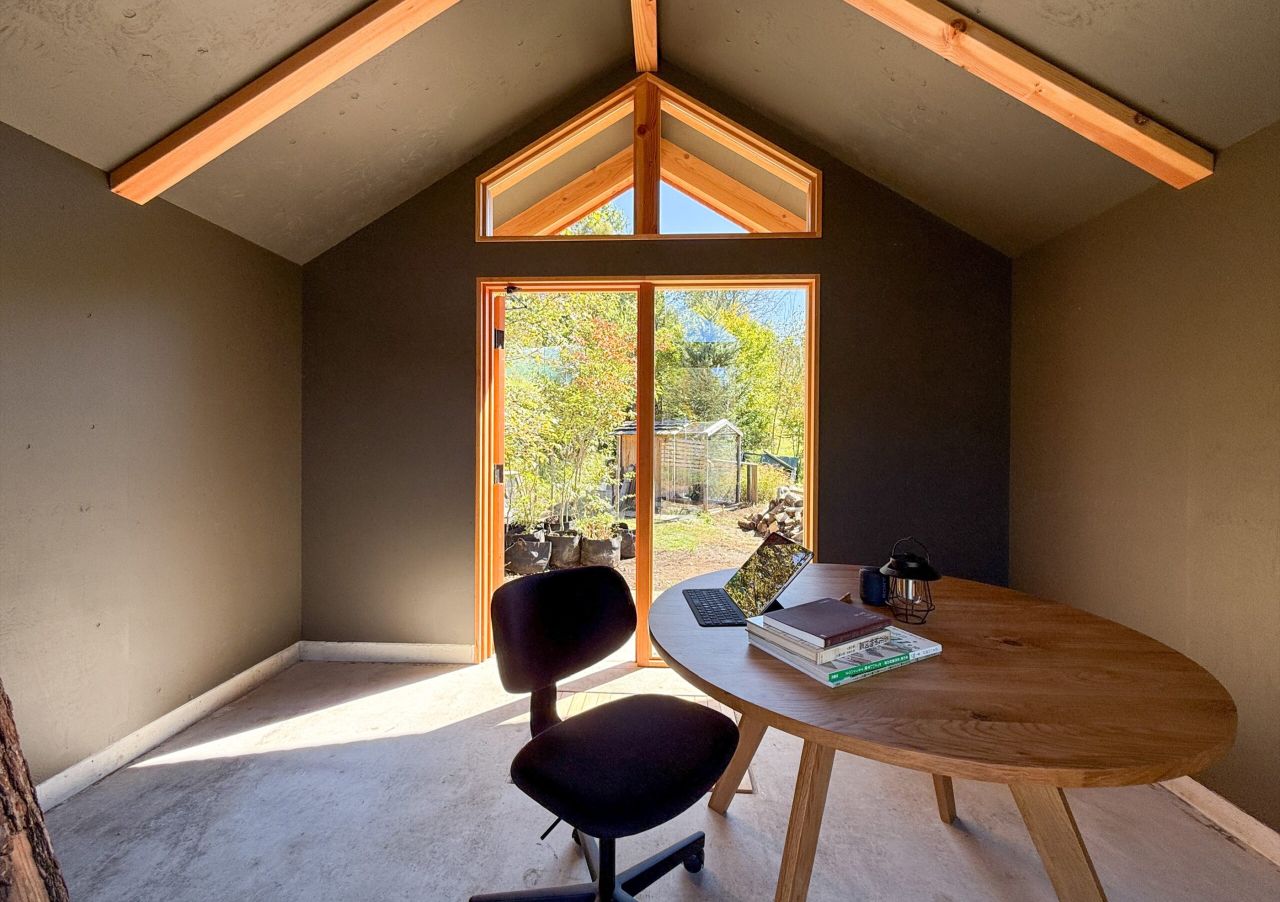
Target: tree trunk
x,y
28,870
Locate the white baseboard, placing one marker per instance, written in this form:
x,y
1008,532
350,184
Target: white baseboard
x,y
387,652
1230,819
64,784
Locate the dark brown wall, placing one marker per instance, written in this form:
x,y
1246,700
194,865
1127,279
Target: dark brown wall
x,y
1146,434
913,400
150,415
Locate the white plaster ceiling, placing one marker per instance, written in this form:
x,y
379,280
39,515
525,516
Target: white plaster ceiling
x,y
103,79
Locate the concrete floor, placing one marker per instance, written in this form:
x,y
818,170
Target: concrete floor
x,y
389,781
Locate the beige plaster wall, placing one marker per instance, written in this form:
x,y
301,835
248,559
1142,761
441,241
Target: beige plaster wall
x,y
1145,457
150,455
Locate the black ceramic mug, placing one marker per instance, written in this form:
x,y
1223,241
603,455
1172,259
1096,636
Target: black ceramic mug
x,y
873,586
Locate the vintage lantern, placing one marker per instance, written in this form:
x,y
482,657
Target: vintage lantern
x,y
909,596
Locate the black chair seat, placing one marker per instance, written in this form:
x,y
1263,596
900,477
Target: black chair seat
x,y
626,766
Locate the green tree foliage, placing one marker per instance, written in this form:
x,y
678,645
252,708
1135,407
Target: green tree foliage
x,y
607,220
570,383
736,355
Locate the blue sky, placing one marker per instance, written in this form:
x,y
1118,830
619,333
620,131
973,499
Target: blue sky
x,y
678,214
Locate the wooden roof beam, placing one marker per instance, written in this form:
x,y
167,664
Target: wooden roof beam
x,y
1018,72
271,95
565,206
644,33
725,194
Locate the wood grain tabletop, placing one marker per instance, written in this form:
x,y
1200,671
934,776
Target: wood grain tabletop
x,y
1025,690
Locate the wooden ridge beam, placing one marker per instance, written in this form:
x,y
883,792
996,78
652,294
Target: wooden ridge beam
x,y
644,33
1062,97
724,194
271,95
565,206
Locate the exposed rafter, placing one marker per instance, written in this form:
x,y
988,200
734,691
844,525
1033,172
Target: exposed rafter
x,y
564,207
1018,72
726,195
644,33
271,95
1015,70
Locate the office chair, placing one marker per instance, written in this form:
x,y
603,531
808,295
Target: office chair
x,y
614,770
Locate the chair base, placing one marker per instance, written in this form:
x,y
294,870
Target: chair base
x,y
605,886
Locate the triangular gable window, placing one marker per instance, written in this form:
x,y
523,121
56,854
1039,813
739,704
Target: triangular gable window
x,y
613,218
682,214
649,160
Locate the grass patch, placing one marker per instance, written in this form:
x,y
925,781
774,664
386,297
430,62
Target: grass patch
x,y
687,534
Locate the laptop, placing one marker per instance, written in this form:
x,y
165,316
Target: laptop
x,y
756,586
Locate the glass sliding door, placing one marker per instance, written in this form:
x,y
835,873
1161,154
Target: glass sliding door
x,y
663,428
730,424
569,390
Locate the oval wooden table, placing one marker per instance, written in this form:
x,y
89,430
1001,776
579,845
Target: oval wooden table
x,y
1027,692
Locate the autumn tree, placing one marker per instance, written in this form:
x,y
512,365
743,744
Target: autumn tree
x,y
733,354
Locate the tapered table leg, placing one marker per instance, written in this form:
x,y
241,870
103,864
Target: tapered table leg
x,y
1053,829
946,794
750,732
806,822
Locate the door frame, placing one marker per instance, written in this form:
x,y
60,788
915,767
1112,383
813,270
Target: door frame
x,y
490,409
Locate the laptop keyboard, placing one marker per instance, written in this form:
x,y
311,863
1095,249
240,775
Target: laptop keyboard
x,y
714,607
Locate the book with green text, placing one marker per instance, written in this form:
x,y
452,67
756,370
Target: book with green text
x,y
901,649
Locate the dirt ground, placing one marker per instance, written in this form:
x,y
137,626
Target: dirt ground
x,y
688,546
688,543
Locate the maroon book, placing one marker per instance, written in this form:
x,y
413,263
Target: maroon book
x,y
826,622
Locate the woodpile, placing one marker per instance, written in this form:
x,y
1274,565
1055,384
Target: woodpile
x,y
785,514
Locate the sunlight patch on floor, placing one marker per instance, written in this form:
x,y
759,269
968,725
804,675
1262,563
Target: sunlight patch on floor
x,y
378,715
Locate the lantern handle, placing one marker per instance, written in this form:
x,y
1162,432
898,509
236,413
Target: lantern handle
x,y
894,550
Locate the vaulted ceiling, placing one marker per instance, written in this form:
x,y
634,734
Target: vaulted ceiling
x,y
102,80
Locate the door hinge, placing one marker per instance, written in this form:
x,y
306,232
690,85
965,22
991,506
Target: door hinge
x,y
497,474
499,338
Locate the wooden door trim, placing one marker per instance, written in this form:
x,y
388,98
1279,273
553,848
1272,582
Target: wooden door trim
x,y
644,468
488,552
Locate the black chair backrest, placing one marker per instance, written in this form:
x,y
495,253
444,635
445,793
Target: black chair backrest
x,y
551,625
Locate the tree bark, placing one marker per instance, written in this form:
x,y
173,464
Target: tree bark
x,y
28,870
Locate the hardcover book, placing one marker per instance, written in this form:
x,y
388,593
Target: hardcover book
x,y
811,652
826,622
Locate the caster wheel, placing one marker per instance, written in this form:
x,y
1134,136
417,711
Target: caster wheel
x,y
694,862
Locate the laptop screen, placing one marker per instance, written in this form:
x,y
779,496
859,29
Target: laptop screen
x,y
766,573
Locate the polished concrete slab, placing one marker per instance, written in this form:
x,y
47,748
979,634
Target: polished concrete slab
x,y
389,781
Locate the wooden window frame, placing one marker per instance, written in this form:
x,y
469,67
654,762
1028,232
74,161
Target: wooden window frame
x,y
654,160
489,498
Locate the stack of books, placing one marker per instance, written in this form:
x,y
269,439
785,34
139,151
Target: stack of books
x,y
835,642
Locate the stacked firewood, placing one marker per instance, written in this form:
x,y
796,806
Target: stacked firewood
x,y
784,514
